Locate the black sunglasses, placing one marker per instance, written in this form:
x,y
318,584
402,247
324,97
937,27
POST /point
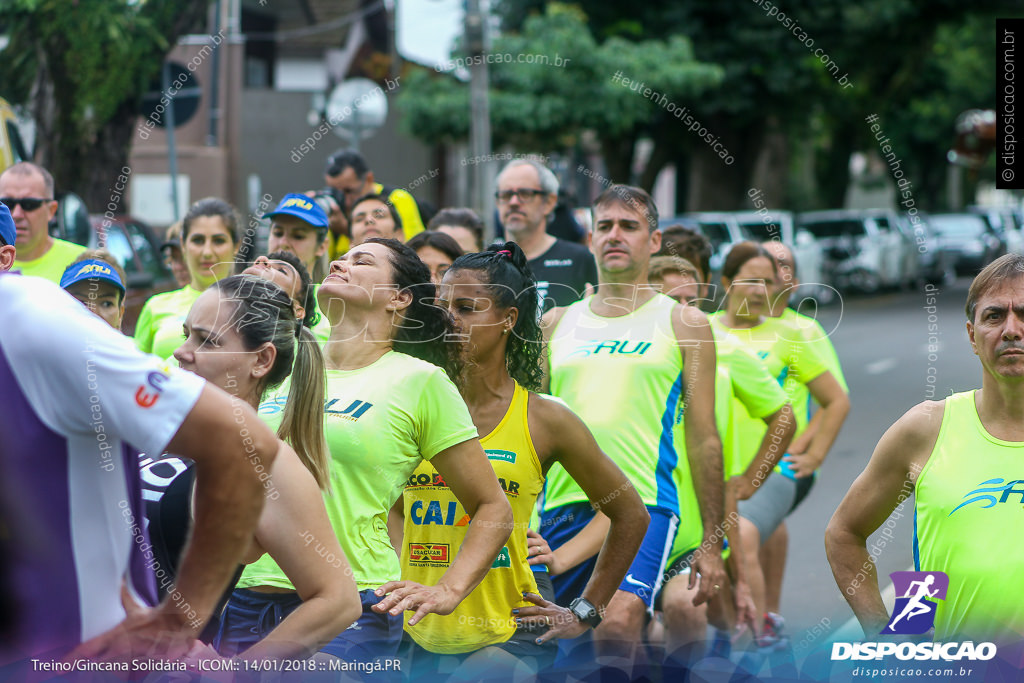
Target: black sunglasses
x,y
26,203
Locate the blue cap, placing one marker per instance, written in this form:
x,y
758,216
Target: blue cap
x,y
91,269
300,206
7,229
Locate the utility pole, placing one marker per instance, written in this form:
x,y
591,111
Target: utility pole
x,y
481,178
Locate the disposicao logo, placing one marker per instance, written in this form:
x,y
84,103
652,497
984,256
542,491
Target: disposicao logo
x,y
914,614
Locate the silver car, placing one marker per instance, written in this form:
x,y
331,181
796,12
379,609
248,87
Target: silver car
x,y
862,251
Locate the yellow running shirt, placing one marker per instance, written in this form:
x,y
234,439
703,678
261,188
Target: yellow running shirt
x,y
159,329
380,422
968,523
436,524
743,390
814,334
53,263
783,351
623,377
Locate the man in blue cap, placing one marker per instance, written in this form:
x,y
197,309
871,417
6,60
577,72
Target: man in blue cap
x,y
299,225
8,234
97,281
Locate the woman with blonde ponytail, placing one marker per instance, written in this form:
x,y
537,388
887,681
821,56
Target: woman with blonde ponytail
x,y
244,336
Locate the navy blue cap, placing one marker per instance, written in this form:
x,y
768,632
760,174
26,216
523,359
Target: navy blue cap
x,y
301,206
7,229
91,269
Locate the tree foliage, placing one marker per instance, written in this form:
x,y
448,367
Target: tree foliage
x,y
544,106
775,104
82,67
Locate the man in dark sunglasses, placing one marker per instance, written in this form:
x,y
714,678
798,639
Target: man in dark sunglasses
x,y
26,189
526,195
7,237
348,174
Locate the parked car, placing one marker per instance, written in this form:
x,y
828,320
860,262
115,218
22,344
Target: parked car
x,y
970,238
134,244
720,228
1003,221
909,257
773,224
863,251
936,264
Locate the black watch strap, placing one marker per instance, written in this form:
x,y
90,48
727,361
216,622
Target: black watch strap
x,y
585,611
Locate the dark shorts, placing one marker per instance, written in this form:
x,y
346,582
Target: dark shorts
x,y
681,565
427,665
371,636
644,577
249,617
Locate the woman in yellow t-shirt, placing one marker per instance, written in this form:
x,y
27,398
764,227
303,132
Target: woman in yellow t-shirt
x,y
748,276
493,297
209,241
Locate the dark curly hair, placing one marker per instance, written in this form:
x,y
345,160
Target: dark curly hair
x,y
426,327
511,284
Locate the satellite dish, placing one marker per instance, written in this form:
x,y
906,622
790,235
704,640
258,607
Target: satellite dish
x,y
356,108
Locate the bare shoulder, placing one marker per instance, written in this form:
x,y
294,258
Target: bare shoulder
x,y
908,443
553,425
689,323
548,412
289,475
920,425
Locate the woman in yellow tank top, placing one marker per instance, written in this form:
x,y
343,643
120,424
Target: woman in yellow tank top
x,y
493,297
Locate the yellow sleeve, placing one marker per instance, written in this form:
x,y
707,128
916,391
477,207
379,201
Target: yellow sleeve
x,y
442,417
406,207
145,331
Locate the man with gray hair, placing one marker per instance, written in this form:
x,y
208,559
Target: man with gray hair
x,y
526,196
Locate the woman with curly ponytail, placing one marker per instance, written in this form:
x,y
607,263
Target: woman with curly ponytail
x,y
493,297
391,404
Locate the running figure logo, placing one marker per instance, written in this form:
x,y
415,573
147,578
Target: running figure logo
x,y
914,612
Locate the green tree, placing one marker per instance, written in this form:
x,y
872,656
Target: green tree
x,y
957,74
548,106
82,68
778,100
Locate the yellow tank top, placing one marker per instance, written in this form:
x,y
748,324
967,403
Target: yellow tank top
x,y
968,522
436,524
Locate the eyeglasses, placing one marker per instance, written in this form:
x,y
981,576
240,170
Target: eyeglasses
x,y
524,194
26,203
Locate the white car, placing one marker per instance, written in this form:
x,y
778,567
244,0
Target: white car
x,y
765,225
863,250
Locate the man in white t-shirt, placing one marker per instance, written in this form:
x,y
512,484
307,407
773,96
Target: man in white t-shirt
x,y
77,399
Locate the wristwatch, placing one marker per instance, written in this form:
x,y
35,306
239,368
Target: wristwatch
x,y
583,610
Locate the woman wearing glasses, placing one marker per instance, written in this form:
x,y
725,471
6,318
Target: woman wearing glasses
x,y
209,234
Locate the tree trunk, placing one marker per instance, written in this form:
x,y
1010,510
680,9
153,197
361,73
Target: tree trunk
x,y
714,184
832,164
660,157
771,170
618,158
